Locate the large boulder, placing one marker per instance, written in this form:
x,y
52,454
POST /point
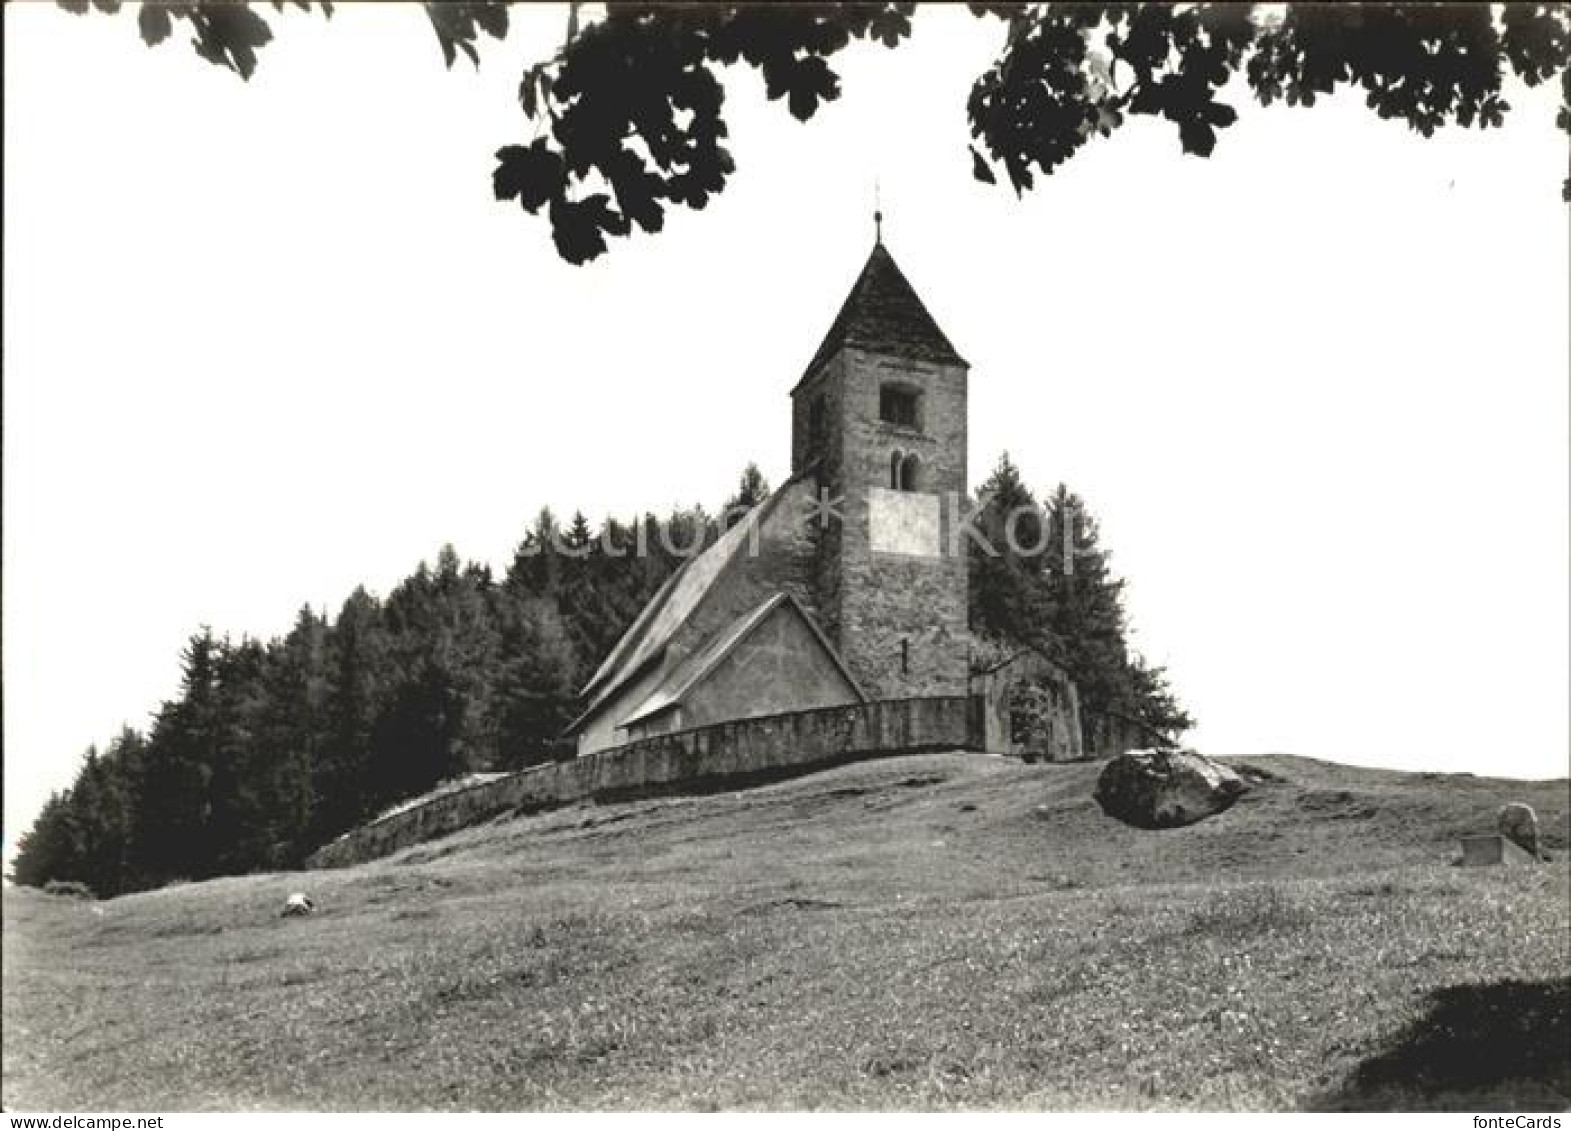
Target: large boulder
x,y
1165,788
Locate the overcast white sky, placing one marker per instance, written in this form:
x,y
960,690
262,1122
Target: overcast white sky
x,y
266,341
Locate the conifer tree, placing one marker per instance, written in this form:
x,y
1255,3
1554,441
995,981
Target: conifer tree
x,y
751,490
1008,600
43,852
358,664
173,825
534,682
1087,615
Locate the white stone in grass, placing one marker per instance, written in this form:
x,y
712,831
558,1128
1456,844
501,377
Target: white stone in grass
x,y
1519,824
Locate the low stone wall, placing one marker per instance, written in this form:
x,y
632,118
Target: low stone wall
x,y
731,753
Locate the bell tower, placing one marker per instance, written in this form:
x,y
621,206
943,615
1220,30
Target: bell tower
x,y
879,420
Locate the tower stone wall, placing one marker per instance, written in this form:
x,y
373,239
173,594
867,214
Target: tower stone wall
x,y
891,574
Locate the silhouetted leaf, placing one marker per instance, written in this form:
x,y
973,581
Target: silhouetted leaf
x,y
228,35
578,227
1197,137
980,169
533,174
811,81
528,91
457,26
154,24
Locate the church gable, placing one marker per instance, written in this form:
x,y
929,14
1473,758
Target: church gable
x,y
770,551
678,600
769,661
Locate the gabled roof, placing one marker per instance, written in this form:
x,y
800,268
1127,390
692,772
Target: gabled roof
x,y
691,671
884,315
670,608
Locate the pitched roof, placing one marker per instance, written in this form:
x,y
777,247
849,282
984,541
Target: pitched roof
x,y
883,314
686,675
670,608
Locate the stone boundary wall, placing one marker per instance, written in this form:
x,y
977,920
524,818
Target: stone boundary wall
x,y
742,751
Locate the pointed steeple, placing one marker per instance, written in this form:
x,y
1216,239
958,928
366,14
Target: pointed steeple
x,y
883,314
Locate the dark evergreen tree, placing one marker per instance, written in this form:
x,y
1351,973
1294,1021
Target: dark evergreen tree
x,y
105,794
1040,578
536,566
751,490
415,741
44,852
294,736
1008,599
171,839
356,695
535,689
238,815
1087,618
1150,700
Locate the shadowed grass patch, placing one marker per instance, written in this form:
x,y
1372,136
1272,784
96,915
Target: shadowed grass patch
x,y
1477,1047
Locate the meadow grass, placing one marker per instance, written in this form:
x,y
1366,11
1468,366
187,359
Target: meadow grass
x,y
936,932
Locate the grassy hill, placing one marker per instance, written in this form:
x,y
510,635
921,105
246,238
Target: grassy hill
x,y
941,931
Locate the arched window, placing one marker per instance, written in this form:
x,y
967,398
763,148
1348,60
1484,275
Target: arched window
x,y
896,466
909,472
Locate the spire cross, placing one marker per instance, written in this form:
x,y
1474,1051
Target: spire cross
x,y
878,215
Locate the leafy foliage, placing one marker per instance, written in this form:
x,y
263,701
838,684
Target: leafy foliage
x,y
629,114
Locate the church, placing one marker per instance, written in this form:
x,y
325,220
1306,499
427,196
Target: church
x,y
848,584
828,624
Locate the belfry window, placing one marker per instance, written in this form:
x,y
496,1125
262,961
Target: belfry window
x,y
900,405
904,471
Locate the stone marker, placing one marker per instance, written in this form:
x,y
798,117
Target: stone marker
x,y
1519,824
1488,851
1166,788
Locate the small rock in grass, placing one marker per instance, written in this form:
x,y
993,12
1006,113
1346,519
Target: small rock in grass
x,y
1519,824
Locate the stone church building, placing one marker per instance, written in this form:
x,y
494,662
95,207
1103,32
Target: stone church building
x,y
847,585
